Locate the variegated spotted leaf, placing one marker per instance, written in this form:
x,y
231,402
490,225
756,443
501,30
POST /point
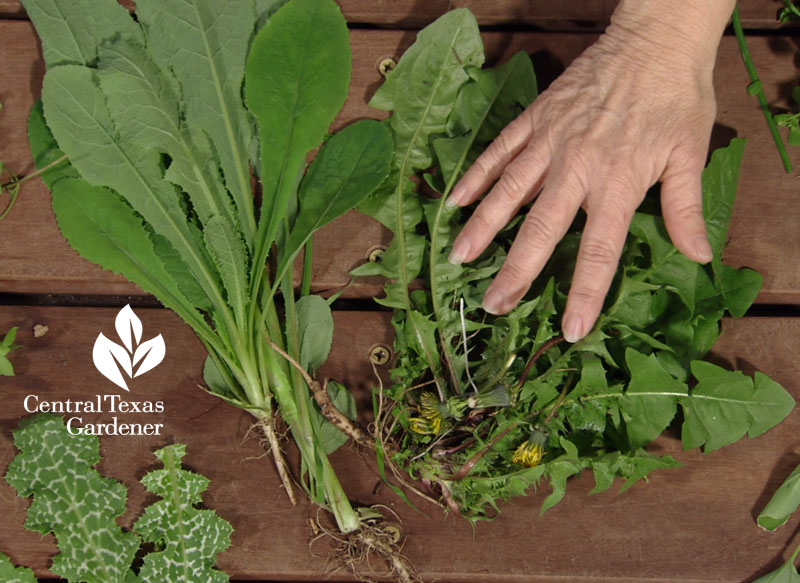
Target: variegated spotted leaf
x,y
11,574
71,500
190,537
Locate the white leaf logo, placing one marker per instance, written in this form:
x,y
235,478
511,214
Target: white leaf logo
x,y
109,357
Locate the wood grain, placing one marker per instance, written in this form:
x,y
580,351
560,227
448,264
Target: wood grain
x,y
694,523
34,258
546,14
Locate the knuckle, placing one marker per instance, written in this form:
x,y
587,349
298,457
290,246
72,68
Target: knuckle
x,y
537,231
513,275
598,253
687,212
510,188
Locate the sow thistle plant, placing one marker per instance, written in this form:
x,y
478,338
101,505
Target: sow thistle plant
x,y
167,120
482,408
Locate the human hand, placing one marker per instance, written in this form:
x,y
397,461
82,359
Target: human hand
x,y
636,108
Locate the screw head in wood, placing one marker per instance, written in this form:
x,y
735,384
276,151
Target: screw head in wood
x,y
375,254
380,354
386,65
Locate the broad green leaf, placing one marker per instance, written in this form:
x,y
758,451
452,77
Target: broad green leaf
x,y
76,112
720,179
44,148
204,43
725,405
787,573
775,403
739,288
71,500
298,72
331,436
230,256
145,103
188,538
783,503
72,30
10,574
106,231
347,169
315,331
651,399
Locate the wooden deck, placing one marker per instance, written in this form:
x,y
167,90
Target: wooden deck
x,y
692,524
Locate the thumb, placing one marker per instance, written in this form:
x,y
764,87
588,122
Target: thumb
x,y
682,203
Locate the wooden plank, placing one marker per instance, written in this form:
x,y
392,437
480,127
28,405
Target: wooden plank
x,y
694,523
34,258
561,15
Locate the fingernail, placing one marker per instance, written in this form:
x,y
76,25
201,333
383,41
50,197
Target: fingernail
x,y
573,328
459,192
703,249
460,251
493,301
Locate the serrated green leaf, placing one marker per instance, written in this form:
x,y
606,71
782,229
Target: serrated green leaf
x,y
106,231
725,405
146,103
298,72
189,538
651,399
71,500
10,574
315,331
204,43
72,30
229,253
558,472
76,112
783,503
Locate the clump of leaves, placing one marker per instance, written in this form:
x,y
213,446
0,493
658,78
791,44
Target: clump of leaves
x,y
166,119
6,346
485,407
75,503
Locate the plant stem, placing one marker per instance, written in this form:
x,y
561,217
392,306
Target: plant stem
x,y
537,355
16,182
305,287
762,99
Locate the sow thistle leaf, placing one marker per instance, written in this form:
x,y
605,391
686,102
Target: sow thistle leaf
x,y
725,405
145,101
106,231
204,43
81,26
190,537
76,112
10,574
71,500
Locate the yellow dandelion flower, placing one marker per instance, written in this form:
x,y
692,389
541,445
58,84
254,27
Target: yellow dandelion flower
x,y
425,426
528,454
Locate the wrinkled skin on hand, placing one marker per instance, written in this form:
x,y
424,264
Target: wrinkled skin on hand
x,y
628,113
